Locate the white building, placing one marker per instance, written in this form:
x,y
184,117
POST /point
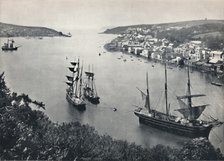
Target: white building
x,y
216,56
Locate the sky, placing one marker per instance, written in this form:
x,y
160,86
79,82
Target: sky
x,y
100,14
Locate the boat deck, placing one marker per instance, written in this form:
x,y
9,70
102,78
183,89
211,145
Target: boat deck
x,y
174,124
171,118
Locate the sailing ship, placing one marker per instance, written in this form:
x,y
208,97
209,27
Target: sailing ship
x,y
8,46
89,89
189,125
74,90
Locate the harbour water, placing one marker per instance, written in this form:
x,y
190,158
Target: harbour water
x,y
39,67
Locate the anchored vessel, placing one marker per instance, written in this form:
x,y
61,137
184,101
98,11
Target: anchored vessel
x,y
74,90
8,46
90,88
189,125
216,84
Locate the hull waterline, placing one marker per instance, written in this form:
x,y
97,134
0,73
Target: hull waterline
x,y
80,106
174,127
91,98
9,49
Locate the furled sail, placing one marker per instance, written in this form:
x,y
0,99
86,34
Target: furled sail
x,y
74,63
69,83
89,74
190,96
69,78
72,69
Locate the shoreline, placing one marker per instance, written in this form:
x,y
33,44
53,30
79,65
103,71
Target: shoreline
x,y
11,30
220,75
29,134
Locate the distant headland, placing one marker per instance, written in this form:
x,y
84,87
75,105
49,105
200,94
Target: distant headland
x,y
205,26
11,30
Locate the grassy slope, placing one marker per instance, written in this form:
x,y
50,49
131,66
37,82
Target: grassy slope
x,y
9,30
187,24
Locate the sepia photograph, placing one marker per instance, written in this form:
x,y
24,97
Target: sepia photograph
x,y
112,80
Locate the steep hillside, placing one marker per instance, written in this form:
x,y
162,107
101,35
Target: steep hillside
x,y
9,30
169,26
211,32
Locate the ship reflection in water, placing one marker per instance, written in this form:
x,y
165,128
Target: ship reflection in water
x,y
116,85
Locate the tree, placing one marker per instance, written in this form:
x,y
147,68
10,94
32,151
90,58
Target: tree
x,y
199,149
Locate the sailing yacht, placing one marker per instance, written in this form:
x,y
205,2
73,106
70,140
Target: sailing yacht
x,y
74,90
90,88
189,125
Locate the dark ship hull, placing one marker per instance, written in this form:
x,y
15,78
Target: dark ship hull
x,y
80,105
192,131
9,49
93,100
90,97
216,84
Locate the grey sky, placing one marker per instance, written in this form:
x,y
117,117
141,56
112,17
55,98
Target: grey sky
x,y
75,14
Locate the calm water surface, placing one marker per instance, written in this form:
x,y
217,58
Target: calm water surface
x,y
39,67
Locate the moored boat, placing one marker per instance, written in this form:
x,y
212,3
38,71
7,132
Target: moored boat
x,y
74,90
8,46
216,84
189,125
89,89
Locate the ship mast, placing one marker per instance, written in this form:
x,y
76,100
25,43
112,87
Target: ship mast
x,y
73,76
189,91
80,85
167,110
92,80
147,103
186,109
77,79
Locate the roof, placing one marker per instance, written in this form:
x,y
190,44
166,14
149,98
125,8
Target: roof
x,y
207,65
196,42
199,63
213,61
217,52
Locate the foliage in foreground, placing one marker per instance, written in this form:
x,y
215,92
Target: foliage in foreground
x,y
28,134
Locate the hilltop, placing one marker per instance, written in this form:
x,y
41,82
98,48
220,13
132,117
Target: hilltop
x,y
169,26
10,30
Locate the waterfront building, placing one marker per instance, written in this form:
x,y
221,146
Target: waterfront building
x,y
216,56
145,53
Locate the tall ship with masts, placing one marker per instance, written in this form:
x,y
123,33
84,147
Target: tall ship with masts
x,y
74,90
8,46
189,125
89,89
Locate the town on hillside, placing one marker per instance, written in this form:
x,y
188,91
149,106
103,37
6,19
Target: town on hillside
x,y
143,42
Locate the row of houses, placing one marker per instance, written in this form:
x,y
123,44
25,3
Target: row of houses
x,y
154,48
